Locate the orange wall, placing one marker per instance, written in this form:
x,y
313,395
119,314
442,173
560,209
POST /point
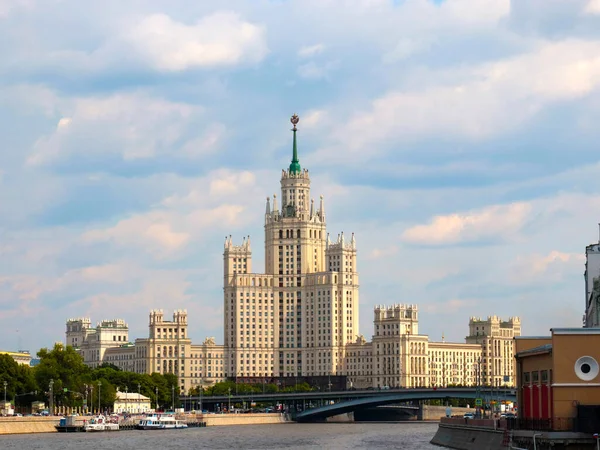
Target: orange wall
x,y
567,349
526,343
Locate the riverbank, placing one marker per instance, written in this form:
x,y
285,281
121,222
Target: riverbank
x,y
36,424
491,434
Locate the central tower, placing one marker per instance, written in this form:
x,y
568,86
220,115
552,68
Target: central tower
x,y
305,306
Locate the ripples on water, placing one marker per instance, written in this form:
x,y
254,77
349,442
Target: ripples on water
x,y
410,436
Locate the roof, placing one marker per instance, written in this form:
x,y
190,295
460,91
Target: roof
x,y
541,350
131,396
575,330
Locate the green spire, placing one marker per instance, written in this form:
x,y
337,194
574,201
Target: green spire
x,y
295,165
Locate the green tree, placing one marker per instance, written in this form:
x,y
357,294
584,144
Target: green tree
x,y
19,378
66,368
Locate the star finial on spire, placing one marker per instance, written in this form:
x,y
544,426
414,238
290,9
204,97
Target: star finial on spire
x,y
295,119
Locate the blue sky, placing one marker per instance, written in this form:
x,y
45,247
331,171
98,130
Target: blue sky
x,y
457,139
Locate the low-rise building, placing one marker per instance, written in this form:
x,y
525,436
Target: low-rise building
x,y
132,403
558,378
22,357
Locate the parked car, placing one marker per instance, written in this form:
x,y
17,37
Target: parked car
x,y
469,416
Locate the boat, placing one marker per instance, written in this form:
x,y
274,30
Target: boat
x,y
101,423
161,422
68,425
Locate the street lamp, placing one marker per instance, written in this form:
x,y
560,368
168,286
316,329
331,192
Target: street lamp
x,y
51,392
99,384
201,392
126,398
229,408
156,390
173,398
5,384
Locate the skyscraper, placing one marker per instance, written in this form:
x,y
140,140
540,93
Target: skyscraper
x,y
295,318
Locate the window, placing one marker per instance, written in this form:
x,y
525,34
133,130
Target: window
x,y
535,377
526,378
544,377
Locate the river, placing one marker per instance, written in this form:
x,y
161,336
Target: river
x,y
403,435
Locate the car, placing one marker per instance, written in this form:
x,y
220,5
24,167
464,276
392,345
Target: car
x,y
469,416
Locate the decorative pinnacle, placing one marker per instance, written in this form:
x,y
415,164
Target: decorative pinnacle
x,y
295,119
295,165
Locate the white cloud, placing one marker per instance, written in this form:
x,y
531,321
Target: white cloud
x,y
382,253
219,39
8,6
134,126
448,306
310,50
593,7
152,231
552,266
207,144
499,221
316,71
405,48
63,122
207,206
475,102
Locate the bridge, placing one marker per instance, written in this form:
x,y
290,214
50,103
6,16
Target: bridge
x,y
319,414
317,405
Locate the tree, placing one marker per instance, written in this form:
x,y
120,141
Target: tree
x,y
19,377
66,368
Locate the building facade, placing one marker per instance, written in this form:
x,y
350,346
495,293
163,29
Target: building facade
x,y
297,317
398,356
496,338
22,357
92,343
591,317
558,378
167,349
132,403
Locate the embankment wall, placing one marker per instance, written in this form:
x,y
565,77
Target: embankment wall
x,y
435,412
469,437
25,425
242,419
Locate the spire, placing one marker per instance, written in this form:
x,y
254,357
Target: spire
x,y
248,243
312,208
322,210
295,165
353,241
268,209
275,203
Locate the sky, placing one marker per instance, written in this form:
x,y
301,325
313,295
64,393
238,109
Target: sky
x,y
457,139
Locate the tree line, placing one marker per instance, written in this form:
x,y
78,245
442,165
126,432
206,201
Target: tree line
x,y
62,370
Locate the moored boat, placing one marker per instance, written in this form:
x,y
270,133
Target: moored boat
x,y
161,422
101,423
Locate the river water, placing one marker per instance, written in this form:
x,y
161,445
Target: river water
x,y
403,435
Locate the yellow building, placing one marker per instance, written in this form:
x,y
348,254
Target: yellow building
x,y
20,357
132,403
558,378
297,317
496,338
167,349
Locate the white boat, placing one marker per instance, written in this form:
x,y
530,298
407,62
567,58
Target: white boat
x,y
161,422
100,423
